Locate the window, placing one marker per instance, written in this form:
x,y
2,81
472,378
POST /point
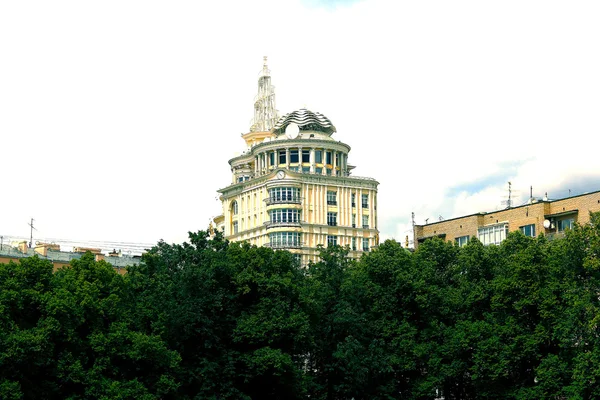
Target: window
x,y
272,158
281,156
332,218
234,207
354,220
284,195
235,227
328,158
365,244
331,240
337,159
365,221
319,171
284,215
492,234
331,198
353,199
319,156
305,156
294,156
462,240
328,171
279,240
305,170
365,200
528,230
564,224
354,243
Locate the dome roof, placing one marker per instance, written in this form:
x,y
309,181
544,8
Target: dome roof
x,y
306,121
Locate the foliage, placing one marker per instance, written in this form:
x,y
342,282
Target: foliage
x,y
210,319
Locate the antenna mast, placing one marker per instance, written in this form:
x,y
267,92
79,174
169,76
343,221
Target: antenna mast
x,y
265,113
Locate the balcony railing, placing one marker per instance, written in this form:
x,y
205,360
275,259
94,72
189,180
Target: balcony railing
x,y
276,246
282,224
283,200
332,202
332,223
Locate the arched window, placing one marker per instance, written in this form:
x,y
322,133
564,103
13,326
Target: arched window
x,y
234,207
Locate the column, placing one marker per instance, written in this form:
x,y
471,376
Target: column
x,y
335,156
312,160
300,159
287,158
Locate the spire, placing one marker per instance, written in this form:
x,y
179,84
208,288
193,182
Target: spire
x,y
265,113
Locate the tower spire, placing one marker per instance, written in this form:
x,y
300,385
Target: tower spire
x,y
265,113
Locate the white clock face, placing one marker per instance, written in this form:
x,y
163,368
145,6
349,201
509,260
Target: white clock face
x,y
280,174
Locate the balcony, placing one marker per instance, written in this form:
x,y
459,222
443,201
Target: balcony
x,y
332,202
283,224
279,246
332,223
283,200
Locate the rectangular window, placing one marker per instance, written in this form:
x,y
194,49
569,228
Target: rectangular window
x,y
319,171
354,220
564,224
331,198
354,243
528,230
332,218
353,199
272,158
281,156
328,171
493,234
328,157
365,244
462,240
294,156
365,221
319,156
365,201
305,170
305,156
331,240
235,227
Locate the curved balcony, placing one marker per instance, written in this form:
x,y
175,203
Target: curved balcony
x,y
281,224
283,200
280,246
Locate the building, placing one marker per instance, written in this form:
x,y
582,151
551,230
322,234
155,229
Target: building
x,y
550,217
53,253
292,188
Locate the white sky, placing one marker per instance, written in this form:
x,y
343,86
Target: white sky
x,y
117,118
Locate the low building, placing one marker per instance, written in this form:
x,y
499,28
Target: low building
x,y
548,217
59,259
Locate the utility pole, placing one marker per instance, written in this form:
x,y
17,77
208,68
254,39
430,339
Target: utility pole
x,y
31,233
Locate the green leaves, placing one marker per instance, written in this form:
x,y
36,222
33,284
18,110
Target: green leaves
x,y
210,319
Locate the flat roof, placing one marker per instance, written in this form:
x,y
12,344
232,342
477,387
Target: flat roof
x,y
512,208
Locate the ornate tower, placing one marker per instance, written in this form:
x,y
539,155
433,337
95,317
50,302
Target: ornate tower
x,y
265,113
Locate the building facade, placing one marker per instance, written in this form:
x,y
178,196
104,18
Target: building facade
x,y
293,189
550,217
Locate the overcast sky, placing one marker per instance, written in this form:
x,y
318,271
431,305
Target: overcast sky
x,y
117,118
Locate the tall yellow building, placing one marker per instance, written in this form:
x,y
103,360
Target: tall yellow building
x,y
292,188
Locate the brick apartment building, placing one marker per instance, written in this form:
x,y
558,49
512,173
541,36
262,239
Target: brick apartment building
x,y
550,217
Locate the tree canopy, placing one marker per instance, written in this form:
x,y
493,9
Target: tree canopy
x,y
209,319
